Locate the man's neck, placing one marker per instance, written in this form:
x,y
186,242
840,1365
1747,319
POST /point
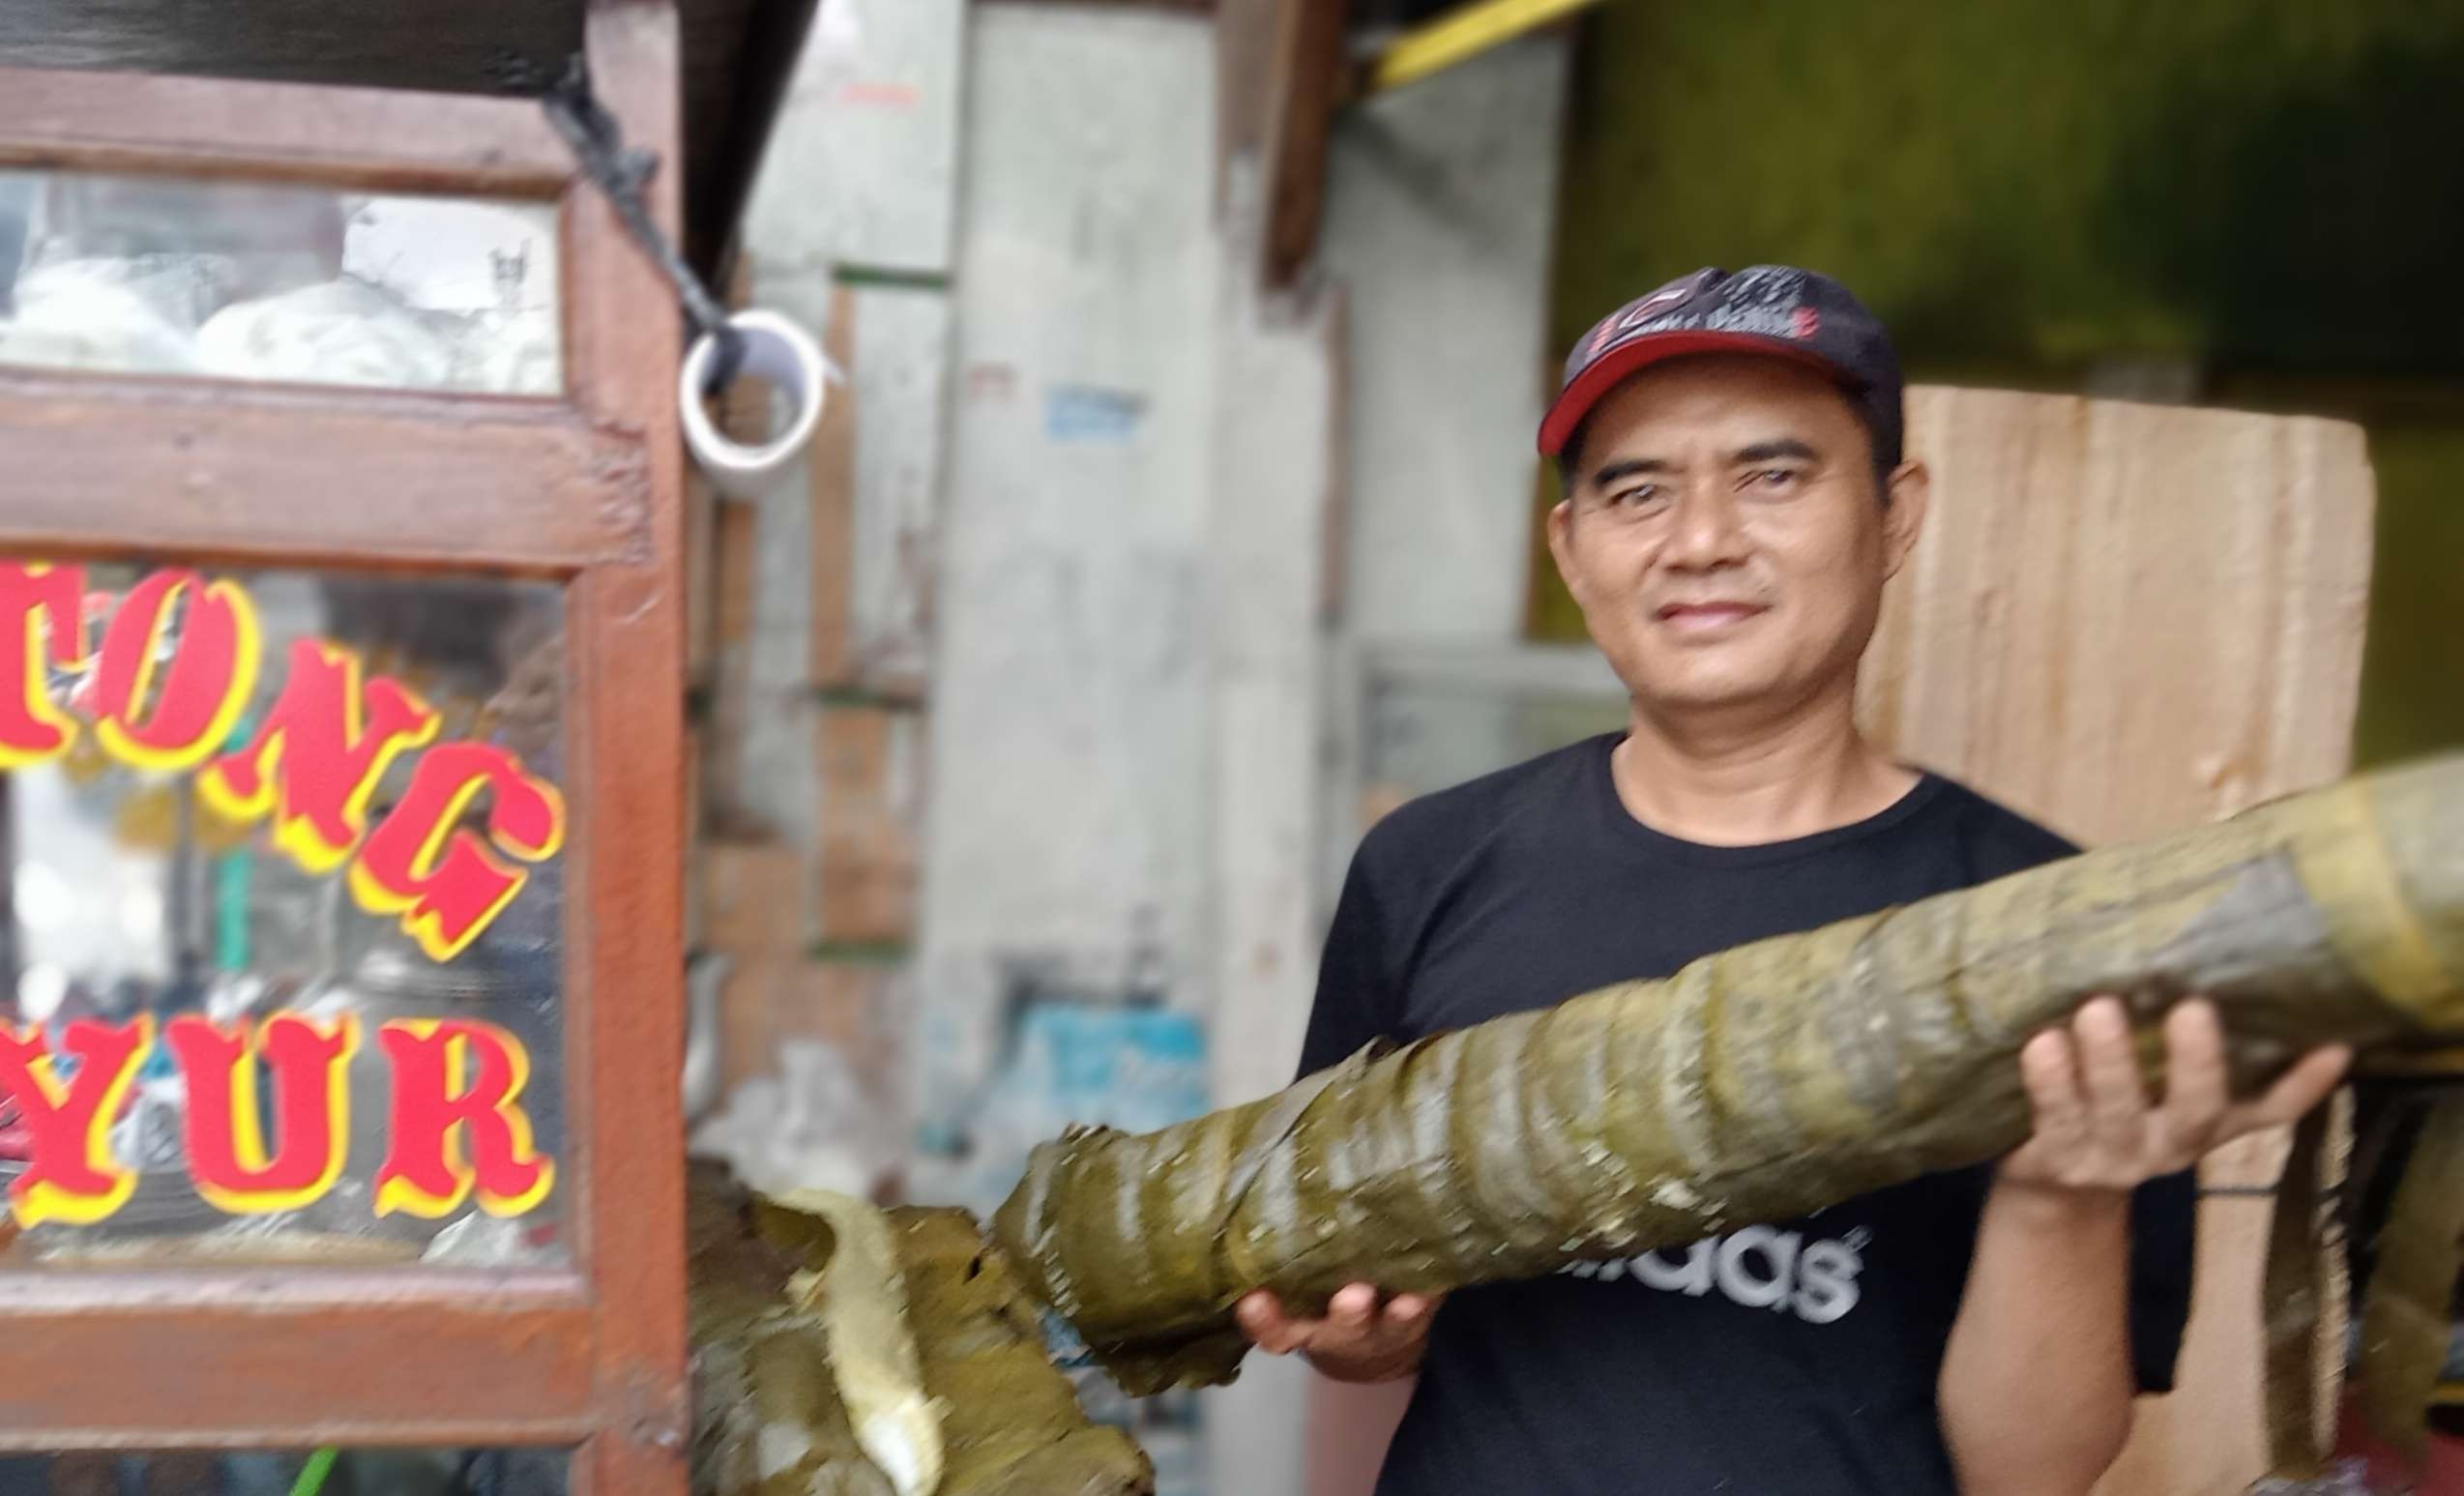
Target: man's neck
x,y
1744,779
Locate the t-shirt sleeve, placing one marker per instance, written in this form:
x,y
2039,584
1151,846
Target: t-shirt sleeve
x,y
1355,1001
2164,1217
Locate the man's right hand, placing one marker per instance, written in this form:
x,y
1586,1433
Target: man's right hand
x,y
1358,1340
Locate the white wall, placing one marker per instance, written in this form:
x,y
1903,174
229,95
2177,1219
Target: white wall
x,y
1069,757
1133,684
1441,210
1276,485
1439,218
862,164
1127,682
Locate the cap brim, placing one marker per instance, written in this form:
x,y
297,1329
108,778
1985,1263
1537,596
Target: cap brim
x,y
1611,369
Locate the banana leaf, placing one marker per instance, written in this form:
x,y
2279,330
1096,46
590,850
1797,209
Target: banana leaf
x,y
2408,1311
767,1417
1010,1423
1757,1084
842,1351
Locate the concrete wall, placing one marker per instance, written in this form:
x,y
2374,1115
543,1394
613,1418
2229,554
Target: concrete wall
x,y
1439,227
1069,808
863,165
811,636
1081,548
1440,202
1127,671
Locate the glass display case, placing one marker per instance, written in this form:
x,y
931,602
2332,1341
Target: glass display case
x,y
340,770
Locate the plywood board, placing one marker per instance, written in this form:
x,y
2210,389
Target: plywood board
x,y
830,481
2125,619
900,348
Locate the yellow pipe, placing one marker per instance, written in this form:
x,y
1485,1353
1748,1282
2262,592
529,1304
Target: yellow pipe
x,y
1461,36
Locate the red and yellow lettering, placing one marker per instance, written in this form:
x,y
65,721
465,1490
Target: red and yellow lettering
x,y
445,882
212,672
227,1156
457,1125
72,1175
317,760
42,621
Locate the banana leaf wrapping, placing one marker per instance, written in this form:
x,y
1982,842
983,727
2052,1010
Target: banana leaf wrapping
x,y
1757,1084
951,1356
761,1362
2407,1312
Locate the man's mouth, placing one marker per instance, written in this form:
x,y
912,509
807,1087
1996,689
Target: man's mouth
x,y
1706,617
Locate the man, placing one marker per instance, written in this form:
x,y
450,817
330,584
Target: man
x,y
1736,497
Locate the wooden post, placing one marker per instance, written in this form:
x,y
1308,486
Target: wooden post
x,y
628,622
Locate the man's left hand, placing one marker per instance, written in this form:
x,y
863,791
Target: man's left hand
x,y
2094,1126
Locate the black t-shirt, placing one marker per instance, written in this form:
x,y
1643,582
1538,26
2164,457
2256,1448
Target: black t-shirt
x,y
1797,1358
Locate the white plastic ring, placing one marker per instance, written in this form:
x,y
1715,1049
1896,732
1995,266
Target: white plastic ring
x,y
780,351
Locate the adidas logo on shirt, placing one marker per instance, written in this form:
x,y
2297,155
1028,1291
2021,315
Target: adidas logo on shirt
x,y
1760,1268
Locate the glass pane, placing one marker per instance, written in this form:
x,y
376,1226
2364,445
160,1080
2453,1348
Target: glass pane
x,y
256,280
270,1473
282,963
1431,721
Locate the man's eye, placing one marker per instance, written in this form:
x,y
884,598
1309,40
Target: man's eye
x,y
1638,495
1774,480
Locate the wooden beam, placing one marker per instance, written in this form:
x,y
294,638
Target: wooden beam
x,y
370,139
625,944
292,1357
210,469
1304,82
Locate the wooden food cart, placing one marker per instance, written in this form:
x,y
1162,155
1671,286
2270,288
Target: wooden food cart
x,y
341,522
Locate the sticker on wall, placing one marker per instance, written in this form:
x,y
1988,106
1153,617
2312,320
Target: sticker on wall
x,y
1089,413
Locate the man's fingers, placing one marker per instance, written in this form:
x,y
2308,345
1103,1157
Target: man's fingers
x,y
1259,1309
2117,1095
1352,1319
1407,1310
2196,1089
2304,1086
1269,1329
2047,1068
1352,1309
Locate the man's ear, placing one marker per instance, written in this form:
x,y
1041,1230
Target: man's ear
x,y
1561,542
1903,515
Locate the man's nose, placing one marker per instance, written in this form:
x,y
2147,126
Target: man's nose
x,y
1706,532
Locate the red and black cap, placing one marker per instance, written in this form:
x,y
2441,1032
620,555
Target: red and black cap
x,y
1774,309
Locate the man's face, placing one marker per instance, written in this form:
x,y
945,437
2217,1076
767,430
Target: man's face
x,y
1725,534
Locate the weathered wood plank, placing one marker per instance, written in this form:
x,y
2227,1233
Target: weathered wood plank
x,y
1304,82
295,474
2125,619
282,1358
380,139
626,980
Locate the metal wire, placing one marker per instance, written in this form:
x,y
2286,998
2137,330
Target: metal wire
x,y
622,174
